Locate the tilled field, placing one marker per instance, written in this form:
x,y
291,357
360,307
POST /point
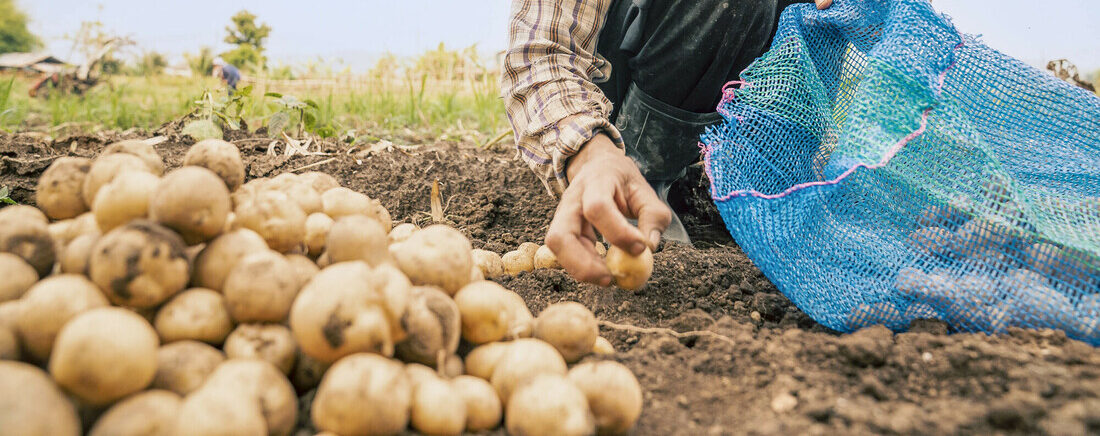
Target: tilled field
x,y
765,368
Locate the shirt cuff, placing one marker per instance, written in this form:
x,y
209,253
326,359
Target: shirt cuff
x,y
566,138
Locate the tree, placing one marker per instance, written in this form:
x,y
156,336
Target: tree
x,y
14,36
201,63
249,39
150,64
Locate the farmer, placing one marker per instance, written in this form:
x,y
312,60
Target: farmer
x,y
228,73
608,99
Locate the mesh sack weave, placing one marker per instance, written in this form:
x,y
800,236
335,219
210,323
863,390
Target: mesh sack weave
x,y
879,166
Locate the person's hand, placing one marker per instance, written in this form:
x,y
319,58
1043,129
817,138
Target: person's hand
x,y
605,189
823,4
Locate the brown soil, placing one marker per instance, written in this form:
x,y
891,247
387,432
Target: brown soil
x,y
782,374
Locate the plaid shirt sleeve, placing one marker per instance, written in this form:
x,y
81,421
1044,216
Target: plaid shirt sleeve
x,y
549,83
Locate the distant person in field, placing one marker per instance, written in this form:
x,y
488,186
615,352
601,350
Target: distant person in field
x,y
608,99
228,73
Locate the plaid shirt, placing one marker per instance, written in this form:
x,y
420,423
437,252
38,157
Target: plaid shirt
x,y
549,83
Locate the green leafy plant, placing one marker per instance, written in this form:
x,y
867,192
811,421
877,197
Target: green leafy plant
x,y
4,198
213,114
290,107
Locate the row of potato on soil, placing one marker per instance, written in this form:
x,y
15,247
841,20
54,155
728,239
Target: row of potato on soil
x,y
126,307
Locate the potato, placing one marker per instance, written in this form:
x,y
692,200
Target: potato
x,y
321,182
197,314
32,405
148,413
630,272
357,237
348,308
452,367
24,233
74,258
417,373
214,262
139,148
183,366
10,311
317,228
489,313
9,344
603,347
402,232
124,359
261,288
482,360
307,372
59,191
221,157
476,275
522,361
247,191
978,235
431,320
272,343
276,218
438,256
49,305
437,408
483,408
1076,269
523,323
63,232
549,405
545,259
339,201
612,392
192,201
18,277
570,328
304,269
601,249
124,199
106,168
299,191
515,262
263,383
489,262
220,411
139,265
363,394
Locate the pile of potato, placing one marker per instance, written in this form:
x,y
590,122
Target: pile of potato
x,y
629,272
143,301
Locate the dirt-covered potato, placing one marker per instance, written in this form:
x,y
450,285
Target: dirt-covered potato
x,y
139,265
24,233
276,218
245,192
49,305
418,373
31,404
489,262
307,372
221,157
10,311
340,201
357,237
570,328
197,314
933,241
630,272
431,320
482,360
106,168
438,256
545,259
402,232
549,405
139,148
437,408
363,394
220,411
105,354
452,367
317,228
613,394
194,202
218,258
63,232
301,192
515,262
183,366
74,257
349,308
59,191
262,382
151,412
522,361
269,342
124,199
304,268
978,236
321,182
483,408
491,313
1075,269
261,288
475,274
18,277
603,347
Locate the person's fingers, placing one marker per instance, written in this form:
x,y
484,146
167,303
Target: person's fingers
x,y
653,215
823,4
601,210
570,238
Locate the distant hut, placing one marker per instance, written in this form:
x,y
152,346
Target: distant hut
x,y
34,63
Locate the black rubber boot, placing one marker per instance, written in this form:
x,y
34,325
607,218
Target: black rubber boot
x,y
663,141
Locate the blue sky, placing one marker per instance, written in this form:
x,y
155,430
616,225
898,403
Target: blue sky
x,y
357,31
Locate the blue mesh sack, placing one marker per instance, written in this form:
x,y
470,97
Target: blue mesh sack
x,y
880,166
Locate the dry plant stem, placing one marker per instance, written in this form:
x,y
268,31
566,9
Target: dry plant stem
x,y
669,332
315,164
437,204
